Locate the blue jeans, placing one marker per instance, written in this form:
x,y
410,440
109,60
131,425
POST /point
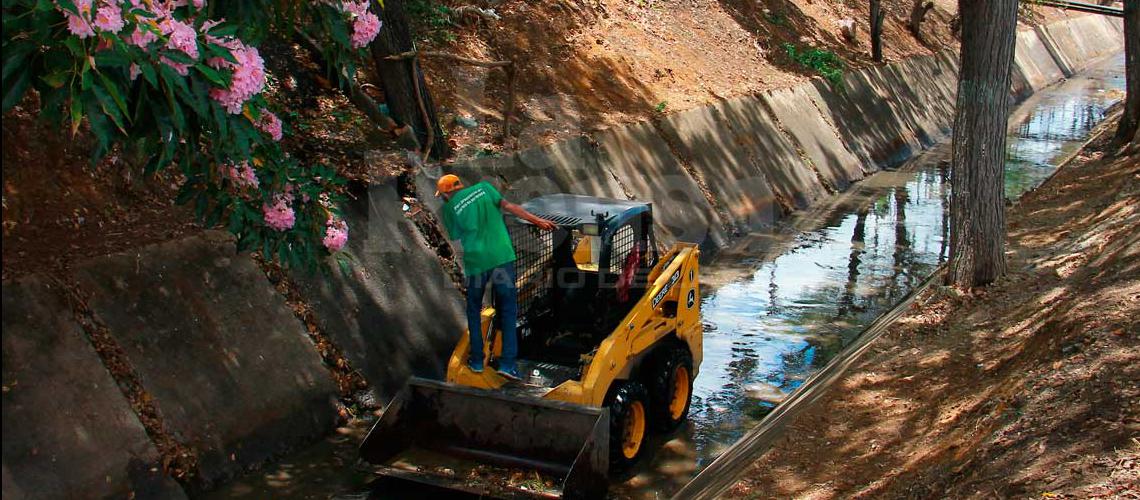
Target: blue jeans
x,y
502,281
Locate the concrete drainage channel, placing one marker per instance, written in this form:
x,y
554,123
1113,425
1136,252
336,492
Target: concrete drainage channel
x,y
232,370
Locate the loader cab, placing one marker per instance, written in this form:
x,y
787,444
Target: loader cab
x,y
577,282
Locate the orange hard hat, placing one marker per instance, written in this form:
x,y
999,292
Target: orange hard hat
x,y
447,184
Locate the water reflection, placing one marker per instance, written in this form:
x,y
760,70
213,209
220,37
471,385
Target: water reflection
x,y
791,312
1059,122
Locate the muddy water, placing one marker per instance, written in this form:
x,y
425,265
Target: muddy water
x,y
778,305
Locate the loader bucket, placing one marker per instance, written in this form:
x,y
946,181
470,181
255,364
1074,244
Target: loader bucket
x,y
428,418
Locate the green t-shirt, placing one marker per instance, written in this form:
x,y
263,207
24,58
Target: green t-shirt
x,y
472,216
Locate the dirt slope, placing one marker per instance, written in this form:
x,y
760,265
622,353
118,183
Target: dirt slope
x,y
586,65
1030,388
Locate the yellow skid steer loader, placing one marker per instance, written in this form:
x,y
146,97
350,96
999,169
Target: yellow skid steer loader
x,y
609,343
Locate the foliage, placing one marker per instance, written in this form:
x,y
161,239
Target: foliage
x,y
167,79
824,62
660,107
432,18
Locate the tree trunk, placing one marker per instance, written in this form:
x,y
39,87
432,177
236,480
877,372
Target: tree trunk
x,y
877,16
1130,121
858,237
977,199
902,255
399,78
918,12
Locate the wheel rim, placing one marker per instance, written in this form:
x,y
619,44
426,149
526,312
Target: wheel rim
x,y
634,430
680,393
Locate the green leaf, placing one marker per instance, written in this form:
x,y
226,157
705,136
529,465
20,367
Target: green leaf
x,y
222,52
56,80
211,74
344,264
15,55
148,73
224,29
221,118
179,57
68,6
100,127
76,112
236,222
113,89
215,215
111,59
75,47
144,13
107,104
14,88
85,80
185,193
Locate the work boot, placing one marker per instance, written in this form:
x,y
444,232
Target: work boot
x,y
511,373
475,366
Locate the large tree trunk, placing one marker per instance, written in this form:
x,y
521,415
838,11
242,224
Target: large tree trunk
x,y
877,16
1130,121
399,78
977,199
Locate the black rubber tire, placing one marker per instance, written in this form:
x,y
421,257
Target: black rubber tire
x,y
623,395
659,378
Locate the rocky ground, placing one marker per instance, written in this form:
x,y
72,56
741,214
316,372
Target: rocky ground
x,y
1027,388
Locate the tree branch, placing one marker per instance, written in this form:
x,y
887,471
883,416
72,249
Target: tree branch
x,y
443,55
423,109
356,95
488,14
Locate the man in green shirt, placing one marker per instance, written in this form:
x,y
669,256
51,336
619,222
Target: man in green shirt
x,y
474,216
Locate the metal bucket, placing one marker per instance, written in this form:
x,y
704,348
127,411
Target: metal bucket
x,y
563,440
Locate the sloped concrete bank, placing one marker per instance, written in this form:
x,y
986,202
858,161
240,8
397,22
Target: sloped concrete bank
x,y
230,368
217,351
744,163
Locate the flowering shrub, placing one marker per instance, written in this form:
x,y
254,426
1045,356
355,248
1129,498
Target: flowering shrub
x,y
167,79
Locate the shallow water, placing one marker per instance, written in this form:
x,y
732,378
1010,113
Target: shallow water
x,y
778,306
772,321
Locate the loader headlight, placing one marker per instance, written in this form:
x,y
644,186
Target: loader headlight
x,y
590,229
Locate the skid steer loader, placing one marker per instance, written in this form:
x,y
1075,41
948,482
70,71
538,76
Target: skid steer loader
x,y
609,343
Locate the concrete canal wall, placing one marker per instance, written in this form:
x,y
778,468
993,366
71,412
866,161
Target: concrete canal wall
x,y
229,367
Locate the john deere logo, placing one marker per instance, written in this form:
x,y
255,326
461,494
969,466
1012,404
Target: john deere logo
x,y
692,298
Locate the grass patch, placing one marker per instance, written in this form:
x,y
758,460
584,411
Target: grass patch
x,y
824,62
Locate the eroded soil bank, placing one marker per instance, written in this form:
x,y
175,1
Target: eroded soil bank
x,y
1027,388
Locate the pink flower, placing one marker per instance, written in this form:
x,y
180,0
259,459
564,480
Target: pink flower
x,y
248,77
198,4
355,8
135,71
182,69
241,175
364,29
78,26
182,36
141,37
336,234
270,124
279,215
109,18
